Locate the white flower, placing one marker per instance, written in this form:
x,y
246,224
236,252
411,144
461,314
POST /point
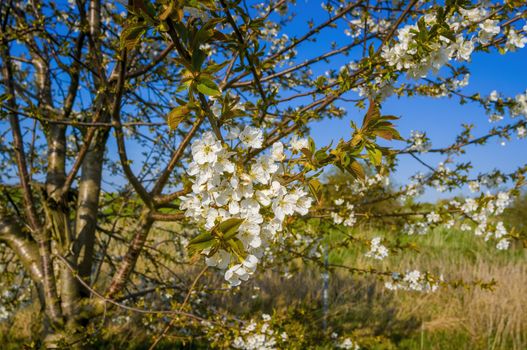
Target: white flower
x,y
464,48
236,274
489,29
377,250
348,344
419,141
284,205
495,118
494,95
515,40
503,244
206,150
251,137
338,202
277,151
223,162
473,186
303,202
220,259
521,132
298,143
433,217
337,219
263,169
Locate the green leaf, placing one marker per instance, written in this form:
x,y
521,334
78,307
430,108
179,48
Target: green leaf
x,y
375,156
176,116
388,133
228,228
315,188
372,114
198,57
131,35
237,248
202,237
199,247
208,87
356,170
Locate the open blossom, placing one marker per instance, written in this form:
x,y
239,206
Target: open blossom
x,y
412,280
377,250
493,96
464,48
433,218
521,132
419,141
339,201
298,143
503,244
489,29
223,190
473,186
337,219
473,15
277,151
515,40
206,150
348,344
251,137
241,272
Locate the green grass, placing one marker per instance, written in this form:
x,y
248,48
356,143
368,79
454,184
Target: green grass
x,y
361,308
452,318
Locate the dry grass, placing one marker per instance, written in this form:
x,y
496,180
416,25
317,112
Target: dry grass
x,y
361,307
461,318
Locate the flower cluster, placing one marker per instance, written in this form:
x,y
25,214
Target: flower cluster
x,y
259,336
419,142
377,250
520,105
348,344
412,280
478,211
345,216
251,190
404,54
408,54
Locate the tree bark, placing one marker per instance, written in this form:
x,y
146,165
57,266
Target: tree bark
x,y
88,206
25,248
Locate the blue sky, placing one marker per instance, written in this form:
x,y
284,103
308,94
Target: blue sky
x,y
440,118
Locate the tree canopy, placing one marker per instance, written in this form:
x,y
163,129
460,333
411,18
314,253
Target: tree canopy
x,y
143,142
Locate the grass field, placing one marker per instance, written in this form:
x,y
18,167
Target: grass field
x,y
462,318
360,307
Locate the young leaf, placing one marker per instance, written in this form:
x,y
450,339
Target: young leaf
x,y
372,114
176,116
315,187
208,87
356,170
202,237
131,35
228,228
